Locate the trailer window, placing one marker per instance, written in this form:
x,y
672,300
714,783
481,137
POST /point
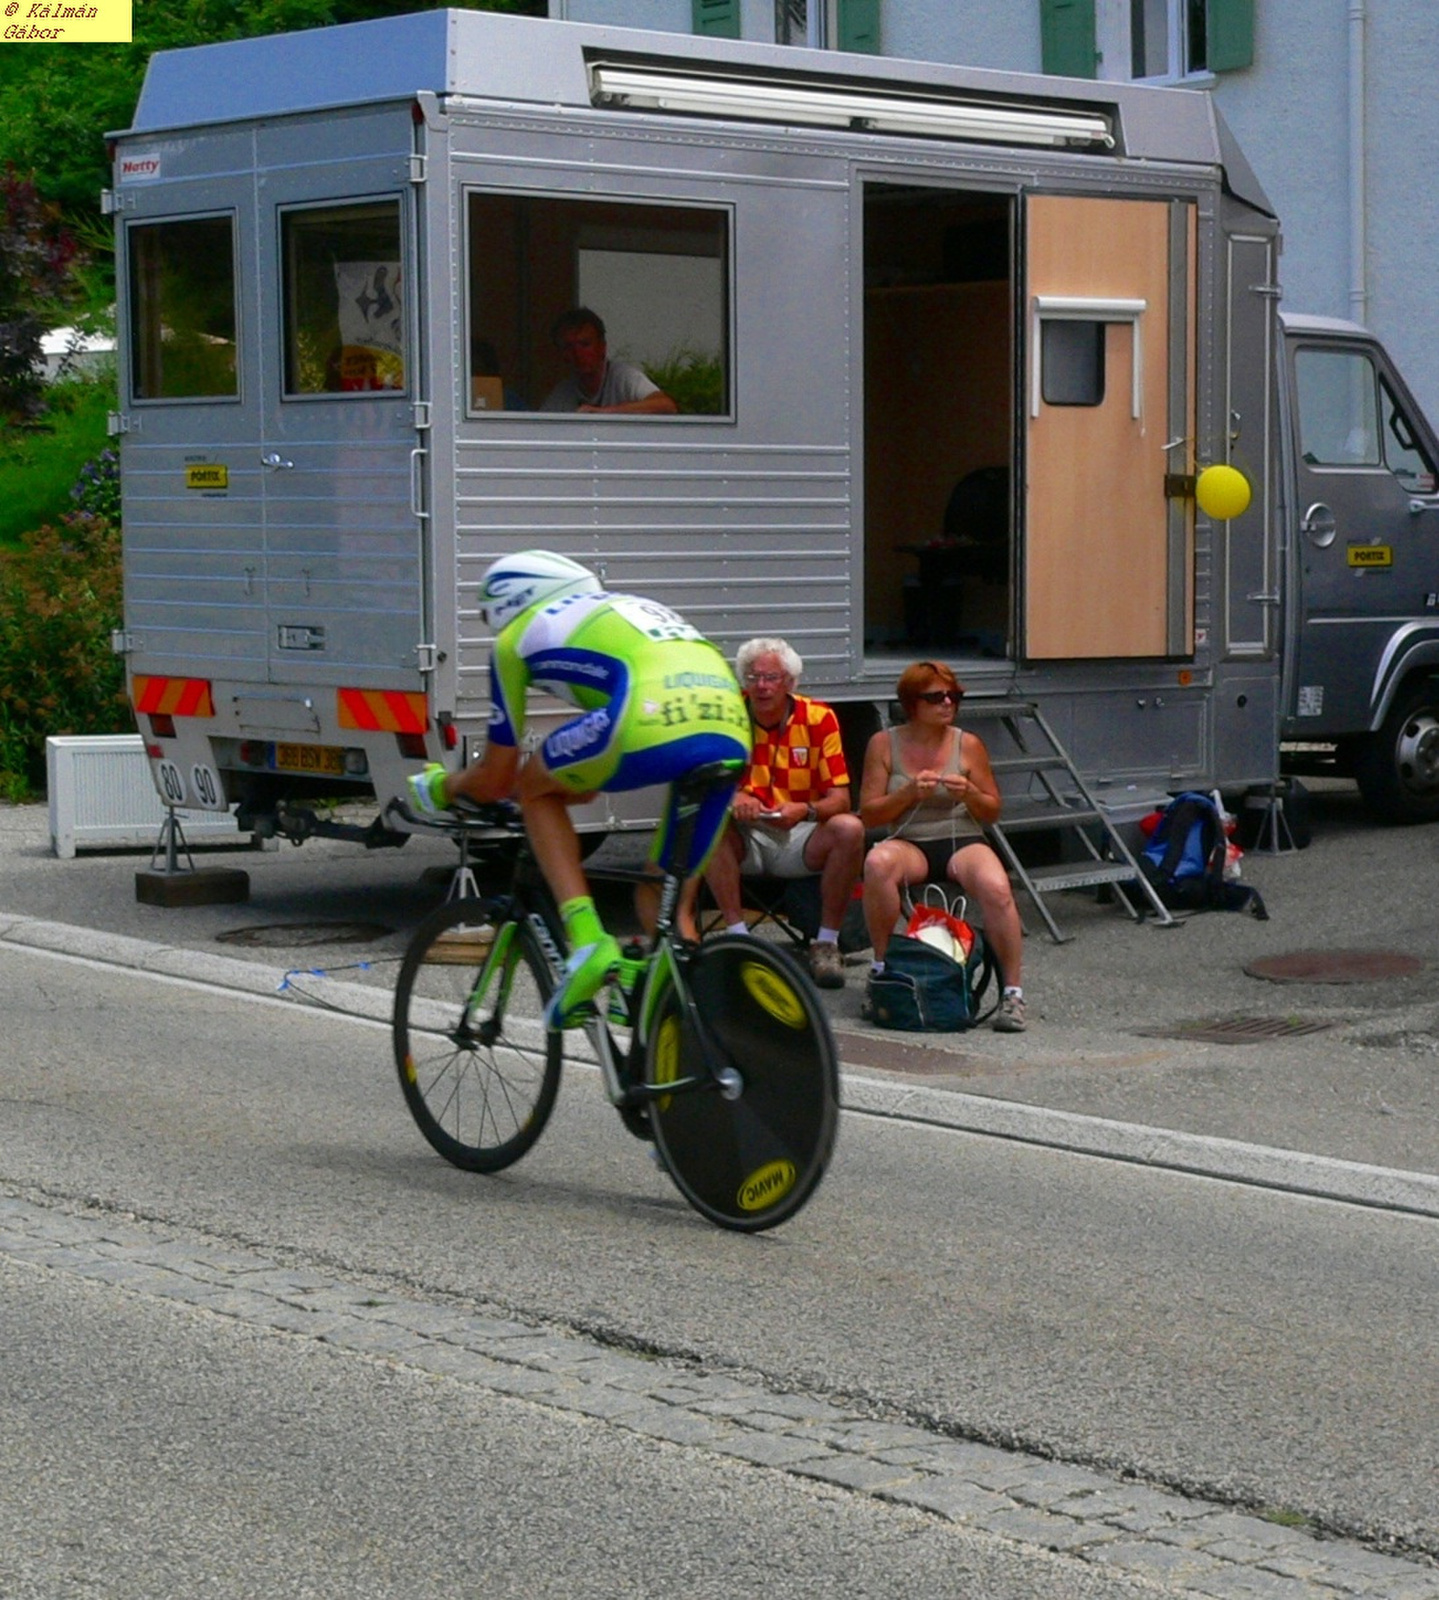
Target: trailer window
x,y
182,309
344,305
1072,363
656,277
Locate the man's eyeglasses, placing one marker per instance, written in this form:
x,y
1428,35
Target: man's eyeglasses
x,y
764,677
937,697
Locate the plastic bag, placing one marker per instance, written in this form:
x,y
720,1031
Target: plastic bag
x,y
933,923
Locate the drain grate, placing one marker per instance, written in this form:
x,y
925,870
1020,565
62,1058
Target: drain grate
x,y
1238,1030
292,935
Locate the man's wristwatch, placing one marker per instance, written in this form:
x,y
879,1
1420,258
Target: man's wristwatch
x,y
810,814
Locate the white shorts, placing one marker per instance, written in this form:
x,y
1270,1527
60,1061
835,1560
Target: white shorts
x,y
776,852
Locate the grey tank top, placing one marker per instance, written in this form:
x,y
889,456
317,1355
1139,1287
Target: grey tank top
x,y
938,817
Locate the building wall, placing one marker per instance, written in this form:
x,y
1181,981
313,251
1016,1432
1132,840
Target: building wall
x,y
1290,112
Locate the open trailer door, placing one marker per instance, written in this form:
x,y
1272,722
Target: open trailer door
x,y
1109,331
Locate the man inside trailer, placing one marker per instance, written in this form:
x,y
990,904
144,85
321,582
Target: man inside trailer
x,y
596,382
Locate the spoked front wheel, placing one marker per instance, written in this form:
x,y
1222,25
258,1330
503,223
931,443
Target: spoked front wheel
x,y
749,1150
477,1065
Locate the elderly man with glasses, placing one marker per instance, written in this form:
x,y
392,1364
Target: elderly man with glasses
x,y
791,816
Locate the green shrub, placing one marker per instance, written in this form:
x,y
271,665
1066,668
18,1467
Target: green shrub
x,y
59,601
96,492
39,466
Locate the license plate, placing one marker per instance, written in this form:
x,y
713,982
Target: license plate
x,y
321,758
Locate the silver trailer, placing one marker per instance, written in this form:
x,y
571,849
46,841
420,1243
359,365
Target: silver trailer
x,y
949,348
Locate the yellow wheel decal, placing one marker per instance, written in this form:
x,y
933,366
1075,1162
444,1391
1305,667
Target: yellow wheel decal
x,y
667,1056
773,994
766,1186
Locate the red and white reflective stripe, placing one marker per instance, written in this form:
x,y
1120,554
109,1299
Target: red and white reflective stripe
x,y
174,697
383,711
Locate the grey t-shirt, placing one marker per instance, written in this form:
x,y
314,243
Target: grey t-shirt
x,y
623,381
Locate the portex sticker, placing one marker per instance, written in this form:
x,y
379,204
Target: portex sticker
x,y
66,22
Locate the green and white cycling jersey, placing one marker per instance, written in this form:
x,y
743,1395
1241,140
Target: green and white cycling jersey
x,y
656,698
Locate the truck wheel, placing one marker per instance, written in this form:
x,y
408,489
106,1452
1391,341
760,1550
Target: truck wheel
x,y
1398,767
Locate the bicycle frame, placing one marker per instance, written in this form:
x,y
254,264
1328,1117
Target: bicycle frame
x,y
531,903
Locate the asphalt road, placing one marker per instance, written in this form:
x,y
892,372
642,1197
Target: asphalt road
x,y
1223,1341
1229,1340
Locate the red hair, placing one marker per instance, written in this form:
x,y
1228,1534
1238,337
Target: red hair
x,y
913,681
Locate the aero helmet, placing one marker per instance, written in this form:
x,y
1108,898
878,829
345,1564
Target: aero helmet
x,y
514,583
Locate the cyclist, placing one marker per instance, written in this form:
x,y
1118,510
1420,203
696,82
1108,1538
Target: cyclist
x,y
656,700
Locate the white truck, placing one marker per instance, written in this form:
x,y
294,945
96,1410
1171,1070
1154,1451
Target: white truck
x,y
950,349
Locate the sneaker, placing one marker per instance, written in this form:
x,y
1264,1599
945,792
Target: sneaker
x,y
427,792
585,974
622,989
1010,1016
826,964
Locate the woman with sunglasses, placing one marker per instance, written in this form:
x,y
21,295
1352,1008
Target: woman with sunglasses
x,y
929,790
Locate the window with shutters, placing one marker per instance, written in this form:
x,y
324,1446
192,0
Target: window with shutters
x,y
832,24
719,19
1162,40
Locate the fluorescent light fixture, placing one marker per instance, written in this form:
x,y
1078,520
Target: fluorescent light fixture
x,y
640,90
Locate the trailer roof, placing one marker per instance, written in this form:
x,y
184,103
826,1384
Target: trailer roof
x,y
526,60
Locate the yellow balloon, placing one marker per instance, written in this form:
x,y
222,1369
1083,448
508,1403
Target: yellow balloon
x,y
1222,492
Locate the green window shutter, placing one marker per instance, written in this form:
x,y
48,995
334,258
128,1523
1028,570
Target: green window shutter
x,y
858,25
1067,37
1229,34
717,18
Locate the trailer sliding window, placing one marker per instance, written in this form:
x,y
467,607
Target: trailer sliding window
x,y
344,299
182,309
657,276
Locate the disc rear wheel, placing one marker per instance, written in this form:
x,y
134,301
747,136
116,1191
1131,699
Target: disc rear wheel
x,y
747,1157
479,1070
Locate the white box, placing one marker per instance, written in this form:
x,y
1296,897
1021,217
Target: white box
x,y
103,797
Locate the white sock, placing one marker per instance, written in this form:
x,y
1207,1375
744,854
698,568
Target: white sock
x,y
1013,989
876,966
827,936
738,927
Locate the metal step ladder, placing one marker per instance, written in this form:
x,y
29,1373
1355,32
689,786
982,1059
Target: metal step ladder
x,y
1042,792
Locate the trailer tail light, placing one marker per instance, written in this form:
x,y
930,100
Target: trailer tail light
x,y
412,746
450,734
162,725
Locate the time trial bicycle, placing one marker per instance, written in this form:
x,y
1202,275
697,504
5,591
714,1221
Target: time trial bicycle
x,y
719,1052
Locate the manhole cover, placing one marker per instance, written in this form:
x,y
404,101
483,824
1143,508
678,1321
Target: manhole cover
x,y
287,935
1335,966
1238,1030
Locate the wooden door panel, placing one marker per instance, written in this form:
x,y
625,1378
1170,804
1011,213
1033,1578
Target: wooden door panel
x,y
1097,578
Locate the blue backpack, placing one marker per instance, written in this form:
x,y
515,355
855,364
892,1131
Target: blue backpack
x,y
1184,860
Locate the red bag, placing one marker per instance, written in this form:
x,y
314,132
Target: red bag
x,y
933,923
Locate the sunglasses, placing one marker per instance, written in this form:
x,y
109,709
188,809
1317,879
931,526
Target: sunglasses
x,y
764,677
937,697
